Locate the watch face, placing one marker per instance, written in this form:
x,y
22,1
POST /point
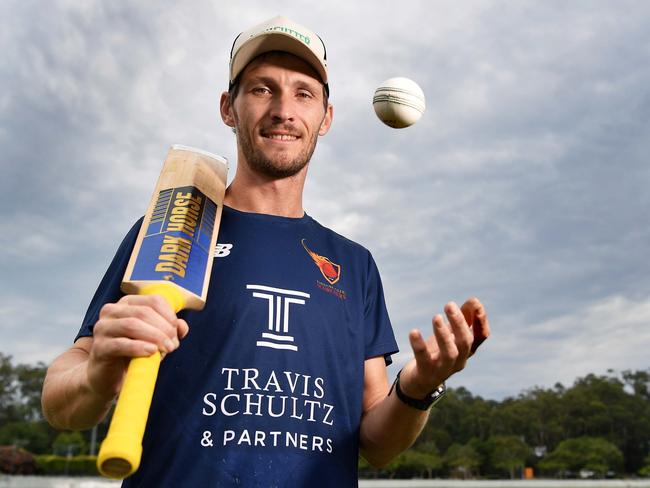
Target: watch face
x,y
437,393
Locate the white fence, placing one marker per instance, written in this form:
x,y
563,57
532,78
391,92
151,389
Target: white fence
x,y
504,483
61,482
55,482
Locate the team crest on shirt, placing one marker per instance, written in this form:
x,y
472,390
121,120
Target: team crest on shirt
x,y
330,270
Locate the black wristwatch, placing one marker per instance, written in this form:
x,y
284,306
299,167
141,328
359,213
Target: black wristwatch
x,y
424,404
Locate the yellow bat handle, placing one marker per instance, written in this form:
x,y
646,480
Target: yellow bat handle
x,y
120,452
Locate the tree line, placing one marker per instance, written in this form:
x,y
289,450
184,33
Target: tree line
x,y
21,419
599,426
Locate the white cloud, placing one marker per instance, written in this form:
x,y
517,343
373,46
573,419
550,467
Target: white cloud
x,y
32,331
610,333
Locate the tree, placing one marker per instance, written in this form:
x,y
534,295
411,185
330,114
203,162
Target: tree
x,y
600,406
21,420
550,415
459,418
645,470
432,458
415,464
589,453
33,436
30,384
69,443
462,460
588,403
508,453
8,388
639,382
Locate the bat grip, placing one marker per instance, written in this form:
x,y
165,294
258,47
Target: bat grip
x,y
121,451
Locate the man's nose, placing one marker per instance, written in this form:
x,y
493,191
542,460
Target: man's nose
x,y
282,107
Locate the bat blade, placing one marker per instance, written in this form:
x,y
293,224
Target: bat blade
x,y
172,257
180,228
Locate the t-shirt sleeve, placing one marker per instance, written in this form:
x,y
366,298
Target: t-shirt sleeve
x,y
109,288
379,336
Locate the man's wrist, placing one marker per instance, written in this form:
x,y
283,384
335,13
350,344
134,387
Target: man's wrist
x,y
423,403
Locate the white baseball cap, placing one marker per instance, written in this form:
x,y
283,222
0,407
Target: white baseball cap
x,y
278,34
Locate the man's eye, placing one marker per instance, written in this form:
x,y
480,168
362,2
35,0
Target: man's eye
x,y
304,94
261,90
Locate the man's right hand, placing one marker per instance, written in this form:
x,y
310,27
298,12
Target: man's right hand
x,y
135,326
82,383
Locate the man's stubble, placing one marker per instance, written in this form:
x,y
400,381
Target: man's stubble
x,y
276,169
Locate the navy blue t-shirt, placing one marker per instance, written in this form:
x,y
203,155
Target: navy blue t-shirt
x,y
266,390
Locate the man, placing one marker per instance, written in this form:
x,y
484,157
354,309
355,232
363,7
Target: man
x,y
282,379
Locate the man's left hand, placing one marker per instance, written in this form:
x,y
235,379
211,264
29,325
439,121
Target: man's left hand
x,y
446,351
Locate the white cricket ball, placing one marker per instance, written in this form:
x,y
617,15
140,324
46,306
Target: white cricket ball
x,y
399,102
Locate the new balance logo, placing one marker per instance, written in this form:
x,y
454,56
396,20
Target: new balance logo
x,y
279,304
222,250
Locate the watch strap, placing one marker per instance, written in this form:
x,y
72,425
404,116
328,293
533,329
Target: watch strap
x,y
420,404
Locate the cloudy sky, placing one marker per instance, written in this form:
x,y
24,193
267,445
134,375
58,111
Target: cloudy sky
x,y
525,183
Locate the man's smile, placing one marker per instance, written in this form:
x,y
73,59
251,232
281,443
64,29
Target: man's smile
x,y
280,136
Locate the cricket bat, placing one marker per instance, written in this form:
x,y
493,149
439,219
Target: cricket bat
x,y
172,257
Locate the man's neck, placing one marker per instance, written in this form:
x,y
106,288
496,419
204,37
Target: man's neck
x,y
252,193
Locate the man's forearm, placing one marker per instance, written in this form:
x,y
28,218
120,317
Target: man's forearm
x,y
388,429
68,401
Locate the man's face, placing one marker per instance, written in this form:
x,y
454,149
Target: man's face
x,y
278,114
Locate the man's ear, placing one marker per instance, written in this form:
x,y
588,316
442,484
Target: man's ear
x,y
327,120
226,110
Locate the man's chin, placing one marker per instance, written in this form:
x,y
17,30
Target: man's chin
x,y
277,168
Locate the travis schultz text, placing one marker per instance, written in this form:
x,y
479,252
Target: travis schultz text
x,y
288,401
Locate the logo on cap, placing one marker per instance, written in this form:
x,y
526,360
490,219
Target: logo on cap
x,y
291,32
